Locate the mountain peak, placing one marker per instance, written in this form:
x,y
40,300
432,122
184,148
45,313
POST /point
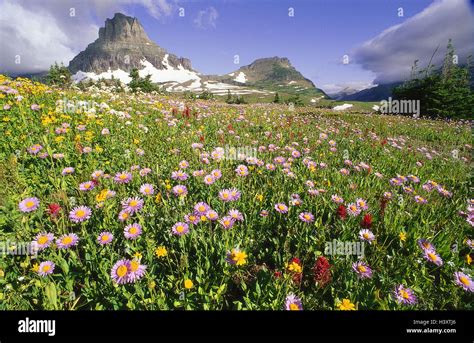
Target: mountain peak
x,y
123,28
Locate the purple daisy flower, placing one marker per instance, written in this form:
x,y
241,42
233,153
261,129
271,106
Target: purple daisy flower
x,y
46,268
235,194
420,200
34,149
67,171
227,222
212,215
464,281
119,272
191,218
362,269
147,189
136,270
433,257
179,175
67,241
404,295
86,186
123,177
29,204
337,199
43,240
242,170
353,209
306,217
216,174
293,303
362,204
425,245
180,190
366,235
105,238
201,208
132,231
180,229
236,215
123,215
80,214
209,179
132,205
224,195
281,207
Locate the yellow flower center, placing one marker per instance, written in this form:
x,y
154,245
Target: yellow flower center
x,y
464,280
404,294
366,235
362,269
294,307
105,238
67,240
432,256
133,230
46,268
133,203
281,207
122,271
80,213
122,176
30,204
180,228
43,240
134,265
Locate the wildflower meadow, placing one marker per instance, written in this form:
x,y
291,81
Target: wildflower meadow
x,y
138,201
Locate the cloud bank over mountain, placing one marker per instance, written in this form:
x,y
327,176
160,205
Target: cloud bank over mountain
x,y
391,54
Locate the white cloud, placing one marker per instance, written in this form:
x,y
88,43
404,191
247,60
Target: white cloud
x,y
391,54
42,32
206,18
347,87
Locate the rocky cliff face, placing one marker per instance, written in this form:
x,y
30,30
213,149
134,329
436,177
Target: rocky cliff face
x,y
122,44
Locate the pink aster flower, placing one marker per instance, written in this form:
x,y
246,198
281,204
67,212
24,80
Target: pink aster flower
x,y
180,190
132,231
29,204
147,189
46,268
366,235
105,238
464,281
362,269
353,209
404,295
281,207
66,241
86,186
180,229
306,217
43,240
80,214
132,205
293,303
123,177
227,222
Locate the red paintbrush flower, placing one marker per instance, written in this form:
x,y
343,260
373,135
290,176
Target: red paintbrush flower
x,y
277,274
342,212
366,221
54,209
322,271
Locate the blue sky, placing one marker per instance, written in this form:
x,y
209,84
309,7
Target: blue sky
x,y
381,45
315,39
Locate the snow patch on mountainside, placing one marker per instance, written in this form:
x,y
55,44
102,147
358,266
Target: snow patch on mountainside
x,y
342,107
241,78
